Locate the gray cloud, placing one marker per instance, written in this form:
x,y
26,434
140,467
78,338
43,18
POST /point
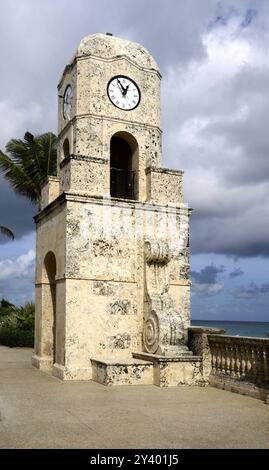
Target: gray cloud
x,y
207,290
16,213
213,56
250,291
206,282
236,272
220,132
207,275
17,278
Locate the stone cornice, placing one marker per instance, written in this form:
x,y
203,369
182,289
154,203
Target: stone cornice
x,y
108,201
49,208
120,57
165,359
225,339
76,59
209,330
167,171
86,158
50,178
106,118
66,277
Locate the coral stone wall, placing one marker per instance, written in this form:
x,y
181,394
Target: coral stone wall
x,y
105,275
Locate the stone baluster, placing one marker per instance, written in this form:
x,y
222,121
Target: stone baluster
x,y
216,353
218,368
265,358
213,358
260,364
247,359
243,353
254,363
223,358
250,372
227,359
232,361
238,360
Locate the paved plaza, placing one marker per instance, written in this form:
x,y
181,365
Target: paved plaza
x,y
40,411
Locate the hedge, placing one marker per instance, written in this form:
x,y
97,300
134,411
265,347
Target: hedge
x,y
16,338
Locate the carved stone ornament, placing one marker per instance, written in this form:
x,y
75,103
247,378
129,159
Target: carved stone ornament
x,y
151,332
157,252
163,329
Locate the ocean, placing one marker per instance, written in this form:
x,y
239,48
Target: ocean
x,y
237,328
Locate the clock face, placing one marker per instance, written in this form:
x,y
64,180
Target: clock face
x,y
67,102
123,92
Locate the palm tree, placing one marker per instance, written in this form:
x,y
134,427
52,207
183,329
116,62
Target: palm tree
x,y
7,232
29,162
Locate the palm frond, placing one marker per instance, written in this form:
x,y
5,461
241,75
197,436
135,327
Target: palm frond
x,y
29,162
15,174
7,232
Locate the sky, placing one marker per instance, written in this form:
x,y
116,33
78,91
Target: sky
x,y
214,59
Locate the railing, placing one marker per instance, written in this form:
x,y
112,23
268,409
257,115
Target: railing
x,y
241,358
122,183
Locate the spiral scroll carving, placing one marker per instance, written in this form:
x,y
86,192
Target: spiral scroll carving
x,y
151,333
157,252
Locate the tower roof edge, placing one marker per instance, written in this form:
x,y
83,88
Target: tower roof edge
x,y
107,46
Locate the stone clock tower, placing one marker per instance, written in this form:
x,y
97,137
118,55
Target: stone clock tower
x,y
112,286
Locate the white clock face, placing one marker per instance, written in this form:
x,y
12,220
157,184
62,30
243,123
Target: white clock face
x,y
67,103
123,93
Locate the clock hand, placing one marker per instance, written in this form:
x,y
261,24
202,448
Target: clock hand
x,y
125,90
121,86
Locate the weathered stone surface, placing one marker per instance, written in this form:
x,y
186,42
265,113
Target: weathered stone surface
x,y
94,120
242,387
164,185
199,344
206,330
240,363
235,363
175,371
66,373
99,289
127,372
84,175
174,374
108,47
50,191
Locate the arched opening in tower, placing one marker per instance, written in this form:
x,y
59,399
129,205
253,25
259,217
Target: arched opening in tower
x,y
49,296
66,148
123,166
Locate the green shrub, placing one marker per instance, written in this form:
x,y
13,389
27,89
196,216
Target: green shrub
x,y
12,338
17,325
6,308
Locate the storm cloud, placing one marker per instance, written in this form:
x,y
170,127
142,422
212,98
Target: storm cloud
x,y
251,291
207,275
236,272
206,282
213,56
214,60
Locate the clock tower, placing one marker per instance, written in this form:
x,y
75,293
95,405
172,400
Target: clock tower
x,y
112,283
109,99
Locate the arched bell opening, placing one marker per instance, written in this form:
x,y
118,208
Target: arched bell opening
x,y
66,148
123,166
